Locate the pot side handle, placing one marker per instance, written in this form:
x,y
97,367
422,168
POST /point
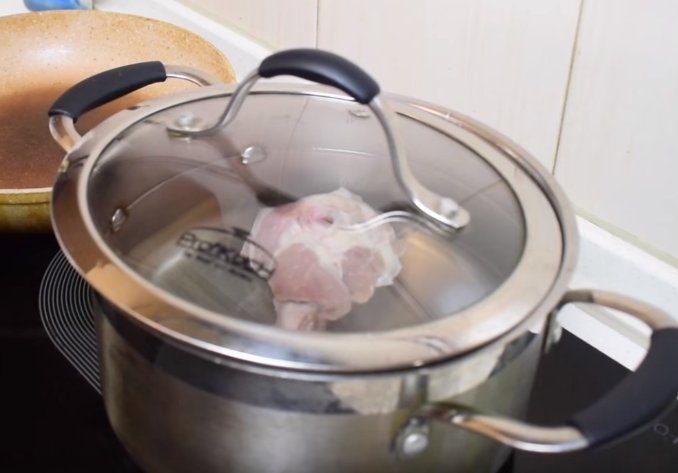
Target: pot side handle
x,y
107,86
638,399
644,394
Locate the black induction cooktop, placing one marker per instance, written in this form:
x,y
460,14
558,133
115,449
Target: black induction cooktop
x,y
53,420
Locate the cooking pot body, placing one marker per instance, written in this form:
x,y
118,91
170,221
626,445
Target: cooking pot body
x,y
180,408
196,382
176,411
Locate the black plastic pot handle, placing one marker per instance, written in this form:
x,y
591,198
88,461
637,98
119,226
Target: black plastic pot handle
x,y
107,86
638,398
636,401
642,395
322,67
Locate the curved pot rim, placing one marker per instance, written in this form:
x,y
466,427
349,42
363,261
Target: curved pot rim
x,y
519,303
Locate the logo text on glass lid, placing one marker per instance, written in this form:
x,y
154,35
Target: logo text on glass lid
x,y
228,249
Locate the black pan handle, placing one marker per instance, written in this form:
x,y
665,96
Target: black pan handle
x,y
107,86
322,67
636,401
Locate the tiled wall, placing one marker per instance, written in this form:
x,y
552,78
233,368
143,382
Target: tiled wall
x,y
276,23
618,158
590,87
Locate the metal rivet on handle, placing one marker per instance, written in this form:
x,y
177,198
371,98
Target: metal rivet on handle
x,y
359,112
188,122
415,443
413,439
253,154
118,218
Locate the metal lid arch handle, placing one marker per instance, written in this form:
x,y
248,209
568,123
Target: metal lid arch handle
x,y
330,69
638,399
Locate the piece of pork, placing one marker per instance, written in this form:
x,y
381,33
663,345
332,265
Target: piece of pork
x,y
322,267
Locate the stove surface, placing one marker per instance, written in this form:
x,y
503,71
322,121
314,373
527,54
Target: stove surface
x,y
54,420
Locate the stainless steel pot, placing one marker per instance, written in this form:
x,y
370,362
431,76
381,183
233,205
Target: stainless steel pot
x,y
155,208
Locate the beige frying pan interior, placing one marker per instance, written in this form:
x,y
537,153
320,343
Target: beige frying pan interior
x,y
44,53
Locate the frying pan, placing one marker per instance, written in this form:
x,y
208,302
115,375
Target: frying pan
x,y
42,55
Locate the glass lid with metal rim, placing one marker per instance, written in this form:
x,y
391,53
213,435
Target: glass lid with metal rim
x,y
299,227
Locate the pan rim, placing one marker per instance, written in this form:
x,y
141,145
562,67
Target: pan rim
x,y
26,190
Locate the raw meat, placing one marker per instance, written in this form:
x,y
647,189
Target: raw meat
x,y
323,267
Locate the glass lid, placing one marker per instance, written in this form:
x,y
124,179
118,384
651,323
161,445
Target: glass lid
x,y
287,237
291,216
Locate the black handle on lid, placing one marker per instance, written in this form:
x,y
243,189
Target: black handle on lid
x,y
107,86
322,67
639,398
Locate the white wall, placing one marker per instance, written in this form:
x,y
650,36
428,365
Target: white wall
x,y
590,87
618,158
